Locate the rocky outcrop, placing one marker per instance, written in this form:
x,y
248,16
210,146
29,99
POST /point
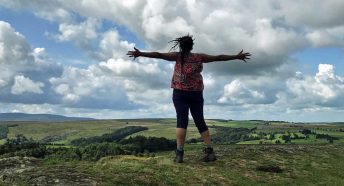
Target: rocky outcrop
x,y
30,171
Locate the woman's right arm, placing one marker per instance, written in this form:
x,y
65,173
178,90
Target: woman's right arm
x,y
211,58
171,56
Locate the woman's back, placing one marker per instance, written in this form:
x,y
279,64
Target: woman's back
x,y
187,73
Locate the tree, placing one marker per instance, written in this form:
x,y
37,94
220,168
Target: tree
x,y
286,138
306,132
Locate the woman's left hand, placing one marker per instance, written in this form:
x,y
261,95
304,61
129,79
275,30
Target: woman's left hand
x,y
135,53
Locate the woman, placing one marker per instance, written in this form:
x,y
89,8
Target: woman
x,y
187,84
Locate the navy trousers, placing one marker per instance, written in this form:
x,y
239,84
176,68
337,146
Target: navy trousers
x,y
193,100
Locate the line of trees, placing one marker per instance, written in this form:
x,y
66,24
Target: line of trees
x,y
326,136
230,135
139,145
22,146
110,137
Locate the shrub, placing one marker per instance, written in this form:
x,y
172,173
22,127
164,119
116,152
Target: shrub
x,y
3,131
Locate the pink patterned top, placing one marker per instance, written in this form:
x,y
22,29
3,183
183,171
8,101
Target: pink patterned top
x,y
190,79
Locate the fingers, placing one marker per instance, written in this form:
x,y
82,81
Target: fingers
x,y
131,54
136,49
244,56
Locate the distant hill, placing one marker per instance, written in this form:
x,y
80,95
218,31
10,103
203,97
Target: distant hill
x,y
39,117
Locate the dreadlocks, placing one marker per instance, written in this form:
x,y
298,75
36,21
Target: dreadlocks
x,y
185,44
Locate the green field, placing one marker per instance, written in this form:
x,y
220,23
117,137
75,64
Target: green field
x,y
67,131
73,130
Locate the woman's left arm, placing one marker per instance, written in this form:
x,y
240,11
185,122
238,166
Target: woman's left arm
x,y
171,56
211,58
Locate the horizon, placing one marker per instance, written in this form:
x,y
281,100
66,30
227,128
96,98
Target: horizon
x,y
190,119
69,58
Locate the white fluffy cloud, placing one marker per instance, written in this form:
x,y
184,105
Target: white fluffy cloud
x,y
111,46
324,89
83,34
26,85
90,88
237,93
13,47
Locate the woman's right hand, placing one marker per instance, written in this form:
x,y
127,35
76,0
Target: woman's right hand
x,y
135,53
243,56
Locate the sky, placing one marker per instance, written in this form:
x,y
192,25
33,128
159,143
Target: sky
x,y
68,57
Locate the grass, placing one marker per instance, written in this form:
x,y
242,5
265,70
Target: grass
x,y
169,131
71,130
235,124
236,165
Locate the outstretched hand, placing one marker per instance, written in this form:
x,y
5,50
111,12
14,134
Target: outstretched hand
x,y
243,56
135,53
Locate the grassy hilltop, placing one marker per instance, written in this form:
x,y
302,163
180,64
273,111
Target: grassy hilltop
x,y
237,165
249,153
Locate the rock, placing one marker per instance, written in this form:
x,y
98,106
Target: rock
x,y
28,170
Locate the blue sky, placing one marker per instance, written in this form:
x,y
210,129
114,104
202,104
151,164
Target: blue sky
x,y
69,58
310,58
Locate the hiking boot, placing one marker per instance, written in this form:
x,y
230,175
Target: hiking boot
x,y
209,154
179,156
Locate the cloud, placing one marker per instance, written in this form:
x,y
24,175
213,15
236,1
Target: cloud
x,y
145,81
111,46
90,88
24,71
327,37
324,89
83,34
301,13
26,85
237,93
116,84
13,47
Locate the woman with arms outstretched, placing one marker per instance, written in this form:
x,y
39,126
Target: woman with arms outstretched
x,y
187,84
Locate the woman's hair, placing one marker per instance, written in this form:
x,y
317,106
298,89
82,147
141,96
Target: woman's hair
x,y
185,44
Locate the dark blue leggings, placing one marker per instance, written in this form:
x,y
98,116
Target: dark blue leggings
x,y
193,100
